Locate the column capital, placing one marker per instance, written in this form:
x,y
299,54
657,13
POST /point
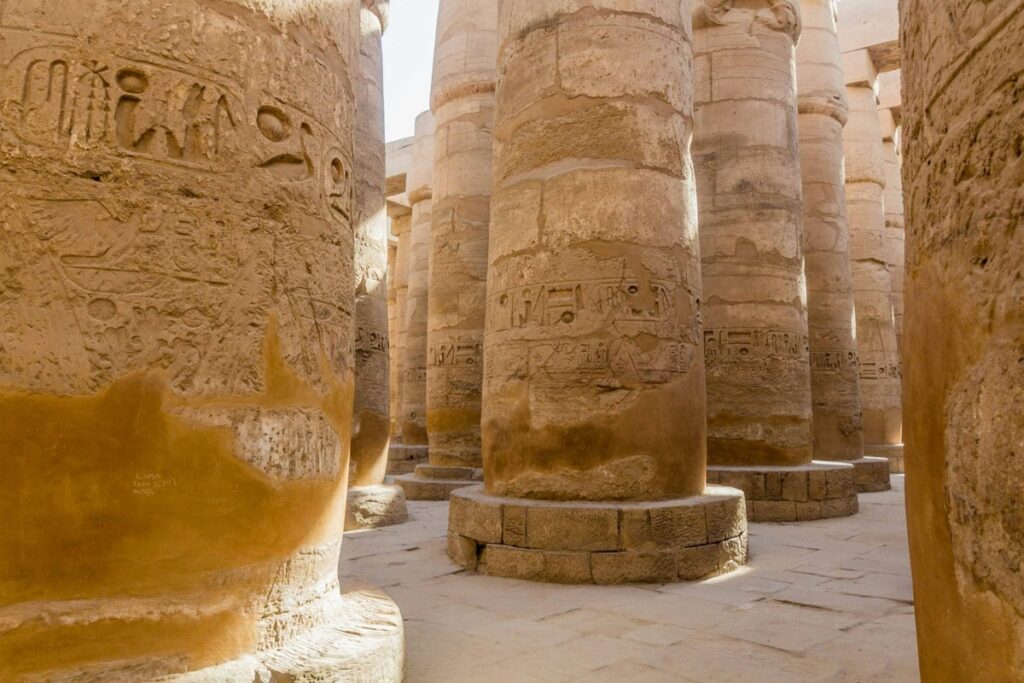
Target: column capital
x,y
381,9
777,15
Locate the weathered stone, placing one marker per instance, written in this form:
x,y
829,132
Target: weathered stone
x,y
371,411
964,390
551,527
371,507
176,316
823,111
513,525
477,520
462,100
634,566
463,551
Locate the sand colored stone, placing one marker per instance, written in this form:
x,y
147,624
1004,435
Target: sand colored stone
x,y
593,400
401,227
963,171
177,340
872,280
894,237
371,503
832,344
751,213
462,100
414,338
393,362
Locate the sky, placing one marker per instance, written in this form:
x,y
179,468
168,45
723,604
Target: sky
x,y
408,62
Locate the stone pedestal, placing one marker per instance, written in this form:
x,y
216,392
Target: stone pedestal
x,y
593,409
872,280
176,317
414,339
462,100
430,482
963,172
751,212
598,542
370,502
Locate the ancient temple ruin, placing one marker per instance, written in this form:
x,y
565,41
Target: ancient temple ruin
x,y
676,340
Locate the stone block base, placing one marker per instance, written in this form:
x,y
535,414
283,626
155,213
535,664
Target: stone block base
x,y
432,482
892,453
871,474
820,490
602,542
404,459
371,507
364,642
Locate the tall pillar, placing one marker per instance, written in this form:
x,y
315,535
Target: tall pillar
x,y
176,344
963,170
894,237
835,386
371,503
755,313
872,281
402,457
594,411
394,364
462,101
419,185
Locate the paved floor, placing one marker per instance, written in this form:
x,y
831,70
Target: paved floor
x,y
821,601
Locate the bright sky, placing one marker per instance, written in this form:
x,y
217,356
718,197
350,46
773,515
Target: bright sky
x,y
408,62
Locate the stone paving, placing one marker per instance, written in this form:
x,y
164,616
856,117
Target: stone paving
x,y
825,601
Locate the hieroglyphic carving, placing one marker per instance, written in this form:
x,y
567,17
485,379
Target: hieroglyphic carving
x,y
834,359
455,354
753,343
612,300
371,341
162,112
780,15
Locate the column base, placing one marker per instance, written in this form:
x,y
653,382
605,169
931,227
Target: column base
x,y
819,490
372,507
432,482
892,452
364,642
871,474
403,459
598,542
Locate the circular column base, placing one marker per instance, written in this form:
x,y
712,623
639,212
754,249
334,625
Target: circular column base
x,y
598,542
432,482
403,459
819,490
891,452
372,507
871,474
364,642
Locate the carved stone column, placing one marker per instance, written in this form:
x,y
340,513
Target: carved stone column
x,y
402,458
872,280
894,236
176,343
594,410
414,356
963,171
755,316
835,386
371,503
394,404
462,100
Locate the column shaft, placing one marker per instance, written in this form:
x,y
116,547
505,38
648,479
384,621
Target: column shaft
x,y
872,281
963,170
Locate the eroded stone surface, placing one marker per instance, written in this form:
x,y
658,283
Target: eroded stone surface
x,y
371,411
605,543
593,379
751,212
176,305
370,507
413,308
821,97
462,100
819,490
963,171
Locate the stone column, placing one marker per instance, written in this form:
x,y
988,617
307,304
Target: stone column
x,y
894,237
835,387
371,503
963,170
755,315
462,100
594,410
872,281
393,362
414,356
176,343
